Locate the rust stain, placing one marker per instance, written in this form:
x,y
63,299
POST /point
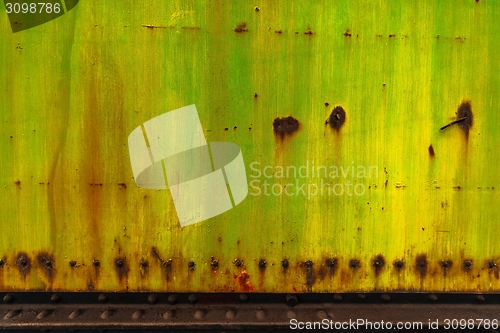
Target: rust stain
x,y
241,27
122,268
285,126
310,275
347,33
446,265
421,265
23,264
243,280
337,118
378,264
190,28
431,151
47,263
465,111
398,264
167,264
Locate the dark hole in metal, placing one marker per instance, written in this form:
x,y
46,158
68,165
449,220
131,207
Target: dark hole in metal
x,y
337,118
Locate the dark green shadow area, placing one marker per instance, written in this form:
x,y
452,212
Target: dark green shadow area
x,y
22,19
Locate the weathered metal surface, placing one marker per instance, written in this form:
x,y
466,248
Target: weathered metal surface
x,y
72,90
347,312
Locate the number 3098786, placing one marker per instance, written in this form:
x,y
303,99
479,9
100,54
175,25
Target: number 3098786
x,y
33,8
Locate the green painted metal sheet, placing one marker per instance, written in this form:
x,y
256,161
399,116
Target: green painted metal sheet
x,y
385,201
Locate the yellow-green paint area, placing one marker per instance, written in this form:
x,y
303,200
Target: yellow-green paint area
x,y
423,204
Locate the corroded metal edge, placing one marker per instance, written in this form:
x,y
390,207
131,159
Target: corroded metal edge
x,y
124,311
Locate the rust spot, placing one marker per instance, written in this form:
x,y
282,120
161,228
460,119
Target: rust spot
x,y
279,31
167,264
398,264
327,104
431,151
121,268
392,36
241,27
191,265
23,264
243,281
284,263
329,266
465,111
2,263
285,126
354,263
492,266
226,129
378,264
72,263
337,118
421,265
347,33
47,263
122,185
255,95
257,9
18,183
309,32
457,188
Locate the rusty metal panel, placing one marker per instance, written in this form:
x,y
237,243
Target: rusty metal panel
x,y
355,183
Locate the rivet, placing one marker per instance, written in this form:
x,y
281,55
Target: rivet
x,y
72,263
119,263
55,298
354,263
321,314
12,314
446,264
191,264
2,262
492,264
291,300
337,297
106,314
432,297
75,314
103,298
284,263
262,263
260,314
230,314
96,262
215,264
172,299
199,314
9,298
291,314
137,314
192,298
385,297
480,298
467,264
398,264
237,262
144,263
330,263
308,263
153,298
43,314
169,314
243,297
362,296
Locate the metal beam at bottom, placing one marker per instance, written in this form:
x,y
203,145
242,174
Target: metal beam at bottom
x,y
339,312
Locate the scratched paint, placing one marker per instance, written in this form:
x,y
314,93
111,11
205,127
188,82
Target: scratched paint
x,y
74,88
